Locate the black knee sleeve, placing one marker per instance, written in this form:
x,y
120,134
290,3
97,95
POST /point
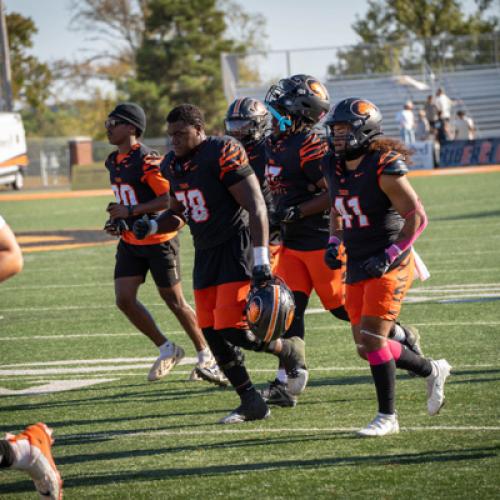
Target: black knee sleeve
x,y
340,313
242,338
297,328
6,454
225,353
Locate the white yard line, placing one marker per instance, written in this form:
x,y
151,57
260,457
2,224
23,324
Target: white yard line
x,y
286,430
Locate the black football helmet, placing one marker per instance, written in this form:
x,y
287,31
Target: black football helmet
x,y
366,123
247,120
301,97
270,310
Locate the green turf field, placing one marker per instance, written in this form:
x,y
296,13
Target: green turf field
x,y
123,437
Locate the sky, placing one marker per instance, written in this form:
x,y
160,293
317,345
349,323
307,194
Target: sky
x,y
290,25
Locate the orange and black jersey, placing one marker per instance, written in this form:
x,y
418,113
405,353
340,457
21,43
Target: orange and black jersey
x,y
258,160
293,171
136,178
201,181
370,223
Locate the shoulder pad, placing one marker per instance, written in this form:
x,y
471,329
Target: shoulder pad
x,y
392,164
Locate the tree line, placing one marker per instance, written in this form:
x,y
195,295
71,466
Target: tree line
x,y
160,53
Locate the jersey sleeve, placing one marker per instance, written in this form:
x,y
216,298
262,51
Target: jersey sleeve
x,y
233,163
152,176
311,152
392,163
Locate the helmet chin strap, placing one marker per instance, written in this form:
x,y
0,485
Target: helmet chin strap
x,y
283,121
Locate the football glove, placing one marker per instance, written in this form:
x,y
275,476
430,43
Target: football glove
x,y
261,275
331,256
115,227
142,228
285,215
377,265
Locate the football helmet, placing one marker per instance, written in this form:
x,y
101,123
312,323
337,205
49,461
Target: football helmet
x,y
366,123
247,120
270,310
301,97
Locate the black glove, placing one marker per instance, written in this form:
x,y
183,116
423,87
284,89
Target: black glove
x,y
261,275
285,215
115,227
141,228
290,214
331,256
377,265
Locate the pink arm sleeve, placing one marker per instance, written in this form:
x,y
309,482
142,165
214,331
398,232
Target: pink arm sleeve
x,y
395,250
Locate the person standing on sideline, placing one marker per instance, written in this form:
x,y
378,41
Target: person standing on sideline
x,y
217,193
406,123
465,129
377,216
141,190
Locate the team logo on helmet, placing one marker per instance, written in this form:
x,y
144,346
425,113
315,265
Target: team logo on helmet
x,y
318,89
363,108
254,310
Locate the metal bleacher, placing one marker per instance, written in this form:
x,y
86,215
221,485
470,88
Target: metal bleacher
x,y
475,90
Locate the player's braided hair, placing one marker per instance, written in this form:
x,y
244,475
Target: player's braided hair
x,y
188,113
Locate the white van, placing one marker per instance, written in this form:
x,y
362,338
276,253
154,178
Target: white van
x,y
13,152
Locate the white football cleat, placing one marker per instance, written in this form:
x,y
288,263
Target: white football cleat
x,y
34,456
165,363
381,425
435,385
210,372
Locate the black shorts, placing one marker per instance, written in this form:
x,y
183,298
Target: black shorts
x,y
161,259
225,263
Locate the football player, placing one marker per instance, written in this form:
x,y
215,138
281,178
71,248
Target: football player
x,y
294,152
248,121
141,191
31,450
376,215
219,196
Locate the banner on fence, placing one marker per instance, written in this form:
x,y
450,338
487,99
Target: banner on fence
x,y
423,155
467,153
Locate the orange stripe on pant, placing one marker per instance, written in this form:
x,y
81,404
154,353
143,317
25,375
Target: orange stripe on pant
x,y
222,306
380,297
304,270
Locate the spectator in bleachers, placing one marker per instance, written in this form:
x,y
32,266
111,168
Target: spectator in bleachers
x,y
406,123
423,128
465,129
443,132
443,104
431,111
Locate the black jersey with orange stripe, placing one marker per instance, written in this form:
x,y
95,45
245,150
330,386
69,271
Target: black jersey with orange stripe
x,y
293,170
370,223
135,179
258,159
201,181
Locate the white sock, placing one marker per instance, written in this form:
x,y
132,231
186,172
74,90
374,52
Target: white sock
x,y
167,348
399,334
204,355
282,376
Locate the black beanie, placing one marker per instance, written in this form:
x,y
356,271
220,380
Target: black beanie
x,y
131,113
